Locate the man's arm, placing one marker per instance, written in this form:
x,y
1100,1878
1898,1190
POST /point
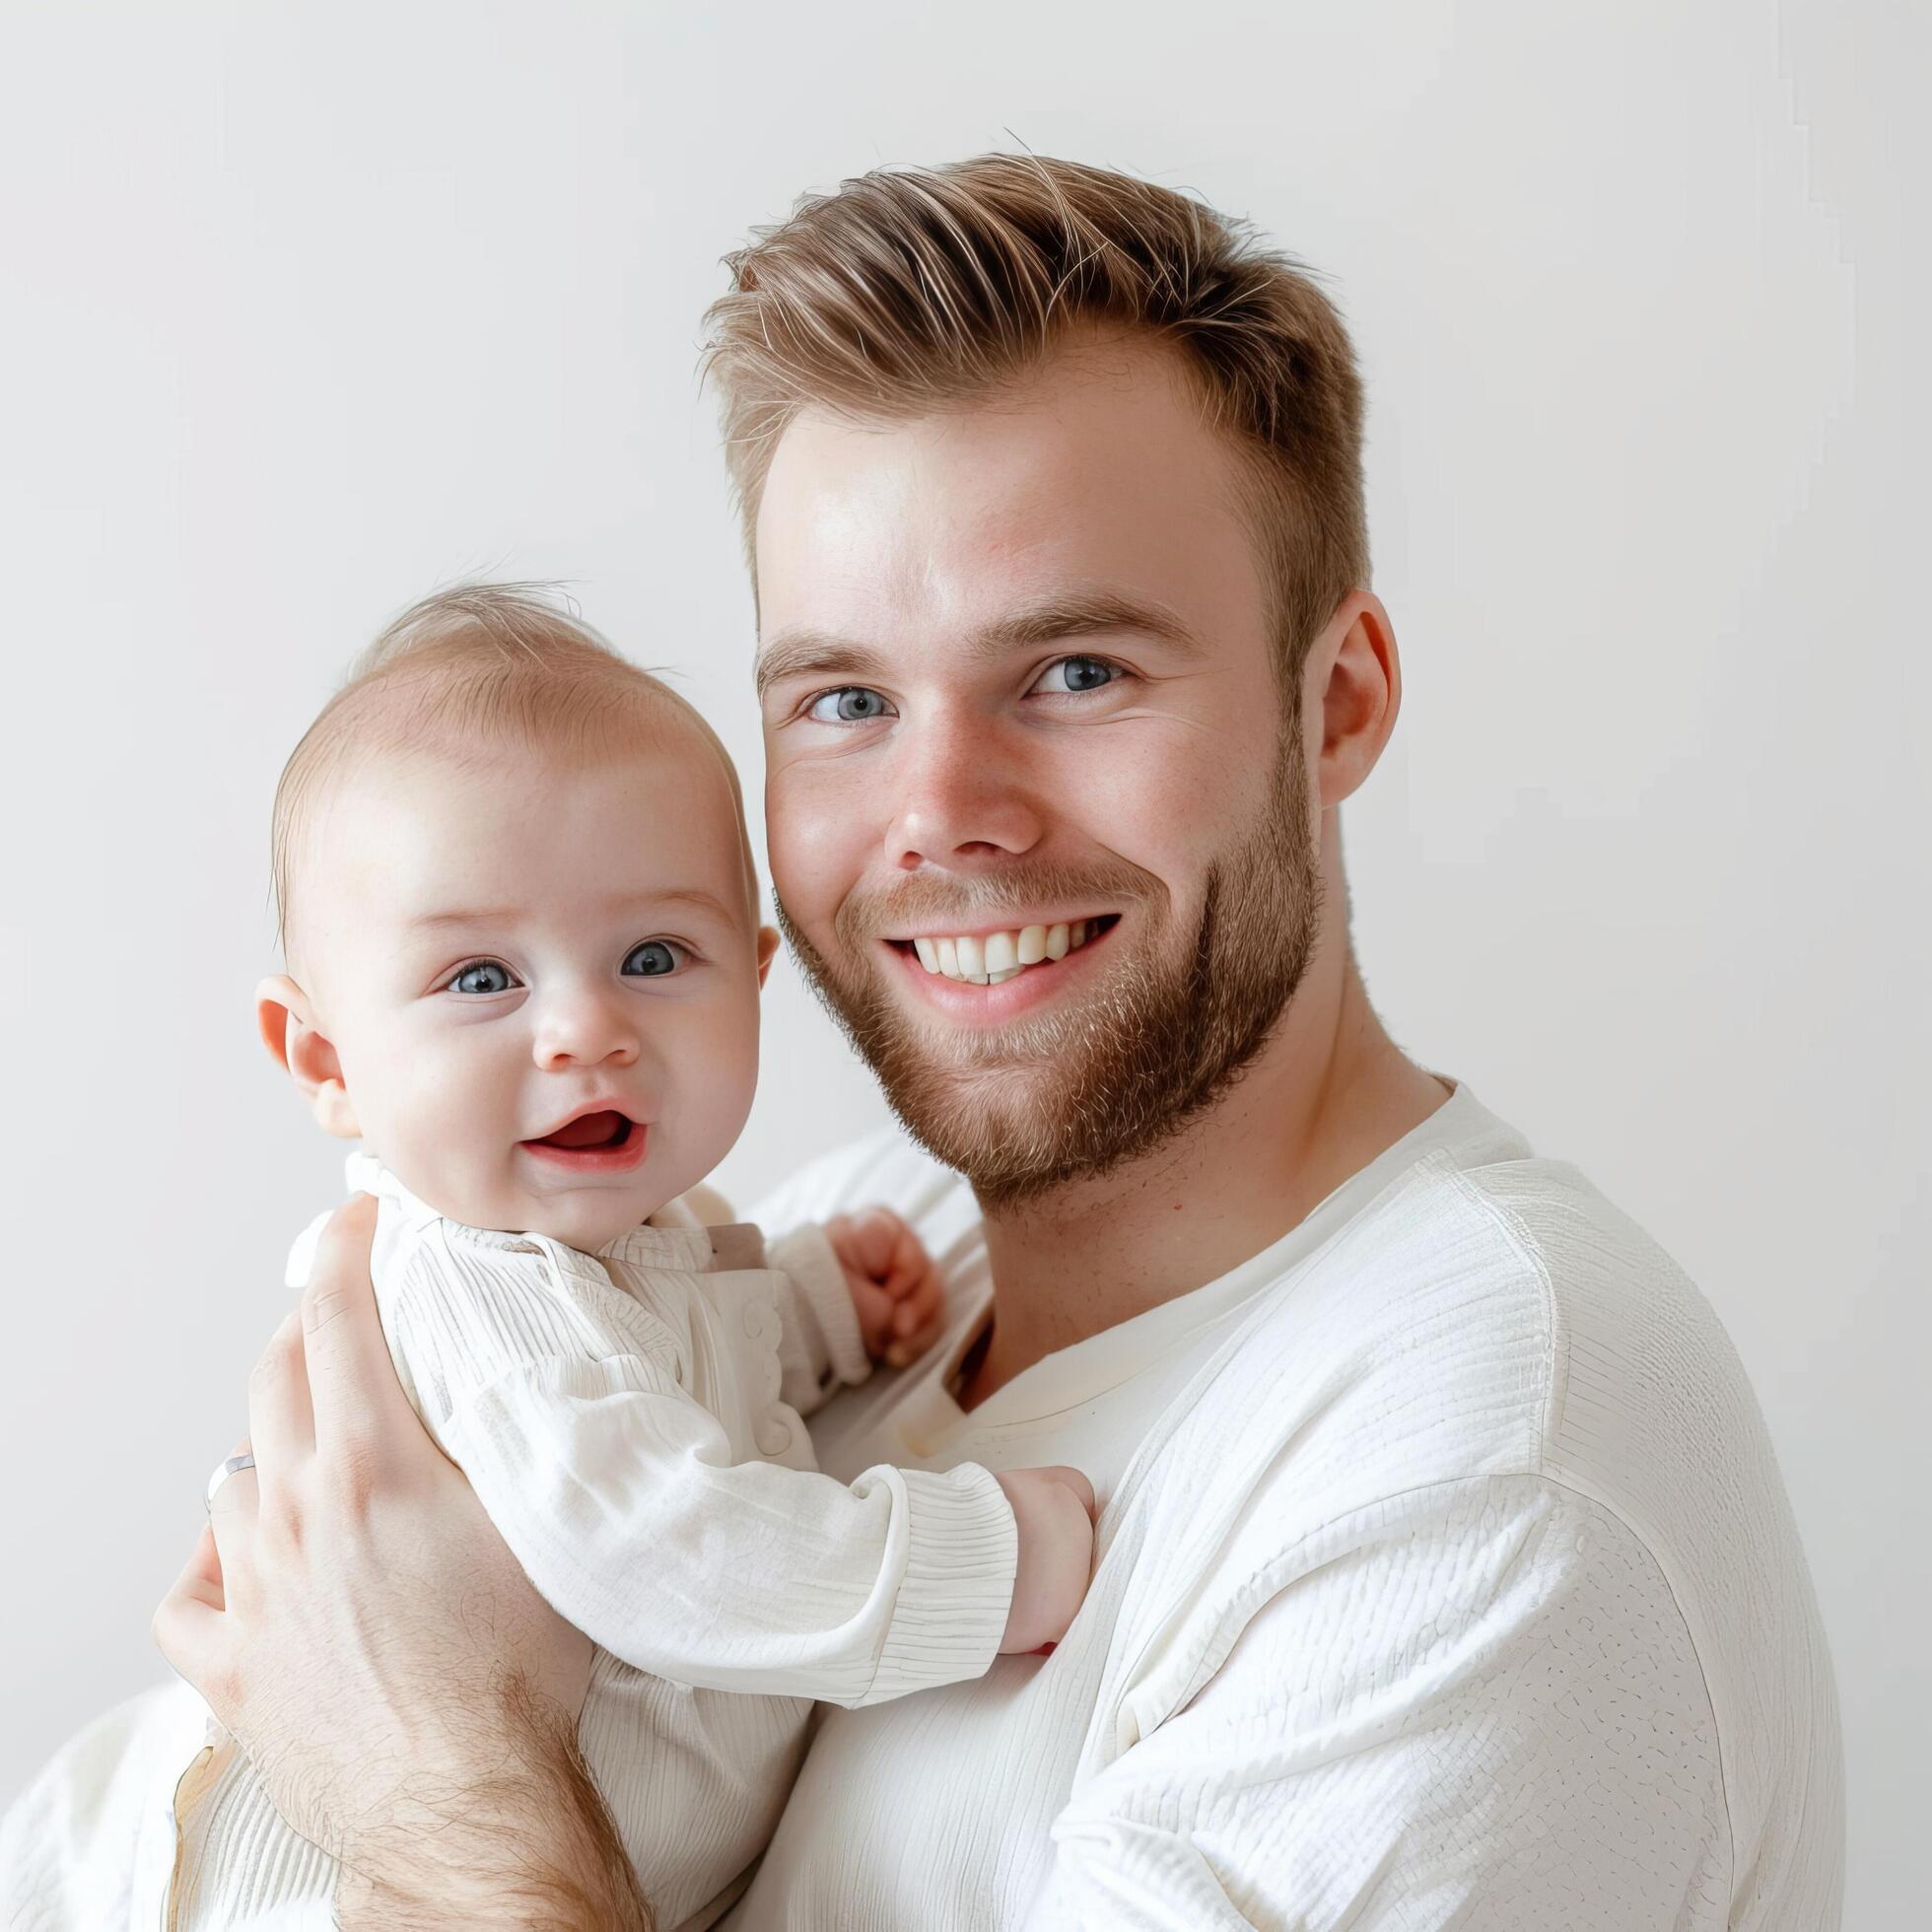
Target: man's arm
x,y
1477,1704
520,1838
355,1621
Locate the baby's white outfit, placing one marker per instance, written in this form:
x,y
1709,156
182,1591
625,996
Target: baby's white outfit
x,y
630,1421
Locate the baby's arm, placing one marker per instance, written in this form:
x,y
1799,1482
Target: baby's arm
x,y
561,1399
862,1288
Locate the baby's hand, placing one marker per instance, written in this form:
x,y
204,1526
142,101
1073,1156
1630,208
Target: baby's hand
x,y
1053,1509
895,1288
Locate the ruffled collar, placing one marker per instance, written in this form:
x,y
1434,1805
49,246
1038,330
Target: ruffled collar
x,y
672,1237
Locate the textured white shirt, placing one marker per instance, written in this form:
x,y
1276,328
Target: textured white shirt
x,y
630,1422
1445,1578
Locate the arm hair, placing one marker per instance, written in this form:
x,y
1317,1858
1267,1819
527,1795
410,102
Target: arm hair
x,y
531,1847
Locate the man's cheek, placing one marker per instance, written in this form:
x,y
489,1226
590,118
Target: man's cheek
x,y
815,861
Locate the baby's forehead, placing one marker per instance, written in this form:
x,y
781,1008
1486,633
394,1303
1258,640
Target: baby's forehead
x,y
438,832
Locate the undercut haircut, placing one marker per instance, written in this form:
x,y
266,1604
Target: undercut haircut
x,y
467,674
912,291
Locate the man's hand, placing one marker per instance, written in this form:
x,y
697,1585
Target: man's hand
x,y
356,1624
895,1289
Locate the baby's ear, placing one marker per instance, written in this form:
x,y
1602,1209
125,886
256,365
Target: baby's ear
x,y
767,951
288,1030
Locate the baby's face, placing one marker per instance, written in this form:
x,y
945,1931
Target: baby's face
x,y
540,980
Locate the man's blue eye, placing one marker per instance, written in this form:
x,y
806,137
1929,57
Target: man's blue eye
x,y
1080,673
651,960
483,976
851,704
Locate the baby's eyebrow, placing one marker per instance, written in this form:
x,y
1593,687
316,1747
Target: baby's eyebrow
x,y
694,896
640,903
489,916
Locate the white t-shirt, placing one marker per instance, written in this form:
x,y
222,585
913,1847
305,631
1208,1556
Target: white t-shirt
x,y
1445,1576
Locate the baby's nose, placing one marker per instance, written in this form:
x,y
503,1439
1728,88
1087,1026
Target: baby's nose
x,y
585,1031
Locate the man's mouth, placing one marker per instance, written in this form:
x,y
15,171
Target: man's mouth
x,y
601,1142
993,958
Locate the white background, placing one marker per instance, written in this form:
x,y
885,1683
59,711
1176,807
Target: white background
x,y
307,309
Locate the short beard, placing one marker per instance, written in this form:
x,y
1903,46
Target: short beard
x,y
1079,1092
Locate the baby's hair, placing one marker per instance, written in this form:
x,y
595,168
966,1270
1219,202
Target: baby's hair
x,y
470,673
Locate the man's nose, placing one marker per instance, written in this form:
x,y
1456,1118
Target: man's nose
x,y
963,790
584,1026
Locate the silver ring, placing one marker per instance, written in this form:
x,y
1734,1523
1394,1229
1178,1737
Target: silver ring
x,y
222,1473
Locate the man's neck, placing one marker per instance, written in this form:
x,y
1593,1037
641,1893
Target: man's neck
x,y
1329,1093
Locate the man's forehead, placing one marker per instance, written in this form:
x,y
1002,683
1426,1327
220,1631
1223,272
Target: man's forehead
x,y
1101,471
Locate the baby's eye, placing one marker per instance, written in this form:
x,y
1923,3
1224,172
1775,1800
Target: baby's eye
x,y
1073,675
653,959
849,704
483,976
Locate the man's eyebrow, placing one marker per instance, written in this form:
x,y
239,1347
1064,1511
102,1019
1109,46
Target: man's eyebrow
x,y
1087,613
813,653
1055,619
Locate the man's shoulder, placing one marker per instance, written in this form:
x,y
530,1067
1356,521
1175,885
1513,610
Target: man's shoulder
x,y
1641,1373
1504,1317
1535,1337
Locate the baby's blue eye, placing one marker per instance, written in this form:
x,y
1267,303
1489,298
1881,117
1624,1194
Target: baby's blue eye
x,y
849,704
1080,674
483,976
651,960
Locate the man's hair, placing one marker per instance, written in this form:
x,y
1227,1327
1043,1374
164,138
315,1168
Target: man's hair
x,y
913,290
466,674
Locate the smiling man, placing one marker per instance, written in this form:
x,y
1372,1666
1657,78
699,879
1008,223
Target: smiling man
x,y
1444,1571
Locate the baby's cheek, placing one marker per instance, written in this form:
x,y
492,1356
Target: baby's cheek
x,y
721,1081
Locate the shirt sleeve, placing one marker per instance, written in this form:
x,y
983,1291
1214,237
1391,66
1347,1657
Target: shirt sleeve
x,y
1480,1706
820,1346
562,1400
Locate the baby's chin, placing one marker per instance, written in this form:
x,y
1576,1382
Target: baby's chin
x,y
586,1219
589,1222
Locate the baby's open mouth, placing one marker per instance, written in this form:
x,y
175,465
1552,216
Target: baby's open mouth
x,y
608,1129
602,1141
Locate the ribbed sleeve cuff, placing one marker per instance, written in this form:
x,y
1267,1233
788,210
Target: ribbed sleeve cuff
x,y
957,1586
806,1256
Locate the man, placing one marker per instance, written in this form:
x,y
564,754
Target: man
x,y
1444,1572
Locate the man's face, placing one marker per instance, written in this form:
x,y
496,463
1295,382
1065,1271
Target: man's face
x,y
1017,675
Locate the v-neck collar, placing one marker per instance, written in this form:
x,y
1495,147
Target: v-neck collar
x,y
1087,1369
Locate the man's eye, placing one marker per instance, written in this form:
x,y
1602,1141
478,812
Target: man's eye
x,y
1071,674
653,959
849,704
483,976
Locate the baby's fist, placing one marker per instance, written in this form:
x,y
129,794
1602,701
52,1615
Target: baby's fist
x,y
895,1289
1053,1511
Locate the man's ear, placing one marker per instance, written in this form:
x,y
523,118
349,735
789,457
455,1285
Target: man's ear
x,y
1352,694
768,944
288,1030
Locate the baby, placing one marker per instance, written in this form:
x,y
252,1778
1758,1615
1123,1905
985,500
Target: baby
x,y
524,957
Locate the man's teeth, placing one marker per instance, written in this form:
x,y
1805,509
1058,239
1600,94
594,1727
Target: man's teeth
x,y
997,958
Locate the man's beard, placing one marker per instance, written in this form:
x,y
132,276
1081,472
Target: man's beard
x,y
1076,1091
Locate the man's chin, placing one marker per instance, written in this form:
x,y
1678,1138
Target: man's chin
x,y
1092,1080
